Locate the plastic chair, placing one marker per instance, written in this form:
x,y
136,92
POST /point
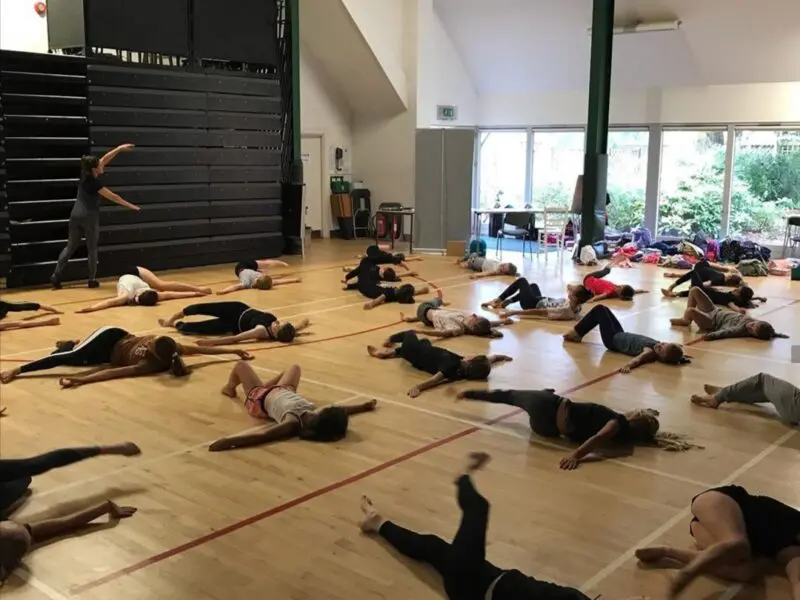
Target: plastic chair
x,y
553,227
517,226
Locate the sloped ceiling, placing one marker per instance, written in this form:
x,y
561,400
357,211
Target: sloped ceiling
x,y
530,46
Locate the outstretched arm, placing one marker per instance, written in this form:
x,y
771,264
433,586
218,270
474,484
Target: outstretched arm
x,y
259,332
190,350
104,375
354,409
602,437
727,333
505,321
598,298
103,305
641,291
440,333
284,431
43,531
304,324
230,289
498,358
117,199
645,357
437,379
111,154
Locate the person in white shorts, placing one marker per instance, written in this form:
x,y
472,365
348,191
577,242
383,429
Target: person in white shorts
x,y
293,415
140,286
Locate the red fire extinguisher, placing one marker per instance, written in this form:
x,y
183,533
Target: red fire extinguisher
x,y
380,225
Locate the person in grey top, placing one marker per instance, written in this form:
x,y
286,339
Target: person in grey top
x,y
84,220
761,388
721,323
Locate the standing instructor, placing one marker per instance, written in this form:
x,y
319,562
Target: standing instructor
x,y
84,220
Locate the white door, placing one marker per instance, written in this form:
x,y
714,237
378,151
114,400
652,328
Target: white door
x,y
311,149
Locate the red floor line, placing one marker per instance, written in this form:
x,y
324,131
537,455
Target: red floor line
x,y
268,513
310,496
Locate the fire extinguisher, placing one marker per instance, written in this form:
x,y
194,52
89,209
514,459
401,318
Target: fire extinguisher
x,y
380,225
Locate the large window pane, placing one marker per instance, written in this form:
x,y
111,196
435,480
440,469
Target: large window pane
x,y
627,178
766,183
502,156
692,173
557,162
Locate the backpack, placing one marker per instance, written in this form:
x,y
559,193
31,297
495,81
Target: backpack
x,y
477,247
712,251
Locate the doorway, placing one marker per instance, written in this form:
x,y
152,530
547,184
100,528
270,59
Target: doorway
x,y
311,151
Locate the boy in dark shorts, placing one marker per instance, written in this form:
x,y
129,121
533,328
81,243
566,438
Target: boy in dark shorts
x,y
445,366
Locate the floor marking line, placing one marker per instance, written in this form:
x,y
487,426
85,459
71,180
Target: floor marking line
x,y
38,584
140,463
301,499
682,514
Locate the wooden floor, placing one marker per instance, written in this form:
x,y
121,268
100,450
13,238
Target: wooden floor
x,y
281,521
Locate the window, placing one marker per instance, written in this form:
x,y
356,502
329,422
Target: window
x,y
627,178
692,180
557,162
766,183
501,167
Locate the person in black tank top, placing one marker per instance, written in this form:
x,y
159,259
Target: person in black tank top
x,y
598,430
462,563
733,529
245,323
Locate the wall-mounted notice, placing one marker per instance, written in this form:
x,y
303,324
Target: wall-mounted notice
x,y
446,112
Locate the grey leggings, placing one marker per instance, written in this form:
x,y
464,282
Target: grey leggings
x,y
88,228
765,389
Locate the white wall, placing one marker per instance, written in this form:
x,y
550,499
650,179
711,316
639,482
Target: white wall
x,y
384,148
442,75
751,103
380,22
21,28
323,111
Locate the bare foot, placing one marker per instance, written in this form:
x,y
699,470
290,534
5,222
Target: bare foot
x,y
369,306
711,389
668,293
8,376
373,351
680,322
572,336
707,401
439,294
229,391
651,555
206,290
165,322
372,519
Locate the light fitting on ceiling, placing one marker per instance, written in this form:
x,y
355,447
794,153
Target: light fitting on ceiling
x,y
645,27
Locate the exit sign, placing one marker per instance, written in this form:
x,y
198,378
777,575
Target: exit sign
x,y
446,113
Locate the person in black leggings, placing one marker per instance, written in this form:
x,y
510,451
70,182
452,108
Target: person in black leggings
x,y
715,275
738,299
237,318
7,307
599,430
615,338
369,285
16,474
534,303
462,564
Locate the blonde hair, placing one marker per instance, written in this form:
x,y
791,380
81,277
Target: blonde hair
x,y
645,429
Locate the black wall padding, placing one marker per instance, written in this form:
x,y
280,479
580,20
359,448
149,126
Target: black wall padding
x,y
253,21
206,170
44,133
160,26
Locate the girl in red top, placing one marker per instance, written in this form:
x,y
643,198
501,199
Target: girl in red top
x,y
602,288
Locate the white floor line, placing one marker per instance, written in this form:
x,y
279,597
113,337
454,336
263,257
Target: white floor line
x,y
601,575
705,348
136,464
39,585
492,428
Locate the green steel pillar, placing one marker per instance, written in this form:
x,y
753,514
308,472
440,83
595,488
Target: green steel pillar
x,y
297,161
595,166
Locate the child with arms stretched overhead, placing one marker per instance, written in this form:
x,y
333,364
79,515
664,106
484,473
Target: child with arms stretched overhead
x,y
443,365
293,415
